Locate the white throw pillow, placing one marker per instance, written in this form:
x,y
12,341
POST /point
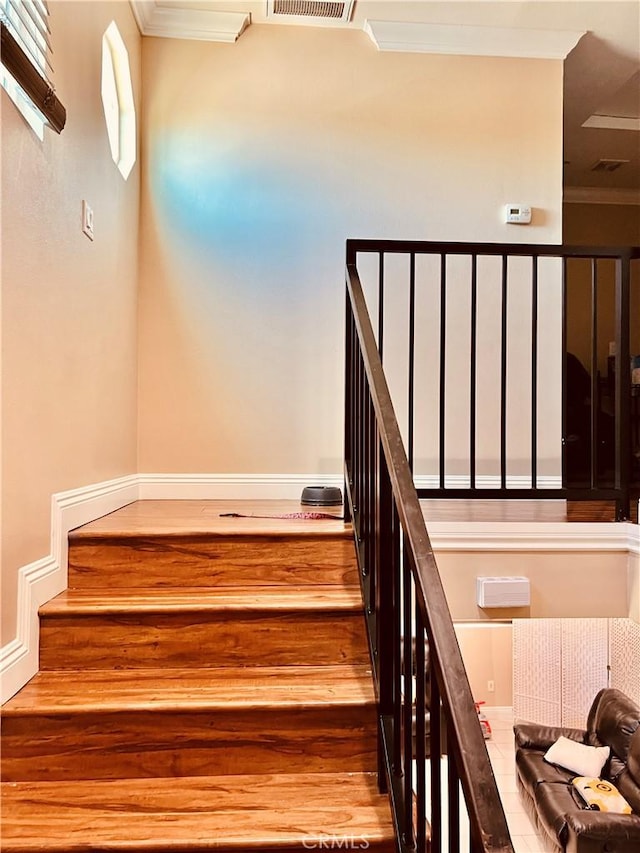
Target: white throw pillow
x,y
581,759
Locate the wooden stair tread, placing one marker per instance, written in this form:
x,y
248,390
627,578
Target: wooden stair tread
x,y
161,518
241,688
196,599
274,812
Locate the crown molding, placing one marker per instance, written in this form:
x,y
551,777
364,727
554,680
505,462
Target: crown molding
x,y
470,40
185,23
600,195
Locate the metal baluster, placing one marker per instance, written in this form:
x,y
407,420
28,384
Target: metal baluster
x,y
534,372
443,372
435,738
473,370
412,342
564,374
453,791
421,733
595,391
503,378
407,699
396,569
380,301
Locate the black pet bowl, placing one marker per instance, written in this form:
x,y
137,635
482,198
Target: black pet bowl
x,y
321,496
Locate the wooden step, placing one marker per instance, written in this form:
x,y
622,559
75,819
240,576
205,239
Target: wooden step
x,y
202,628
202,560
231,814
119,724
195,543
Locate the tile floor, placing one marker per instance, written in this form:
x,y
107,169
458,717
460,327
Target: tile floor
x,y
502,755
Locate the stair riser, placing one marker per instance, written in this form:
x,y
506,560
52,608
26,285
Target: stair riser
x,y
166,744
204,561
106,641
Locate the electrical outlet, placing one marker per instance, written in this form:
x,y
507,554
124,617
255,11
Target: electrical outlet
x,y
87,220
491,686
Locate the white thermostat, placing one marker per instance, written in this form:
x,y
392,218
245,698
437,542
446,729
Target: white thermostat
x,y
518,214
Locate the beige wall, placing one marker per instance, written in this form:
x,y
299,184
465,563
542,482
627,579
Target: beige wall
x,y
260,159
488,656
68,304
562,584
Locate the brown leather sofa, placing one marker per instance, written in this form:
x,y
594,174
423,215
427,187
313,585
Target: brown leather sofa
x,y
552,801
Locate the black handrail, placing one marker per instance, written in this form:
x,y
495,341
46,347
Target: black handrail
x,y
596,459
407,612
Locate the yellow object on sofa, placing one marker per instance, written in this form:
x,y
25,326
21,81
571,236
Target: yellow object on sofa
x,y
601,795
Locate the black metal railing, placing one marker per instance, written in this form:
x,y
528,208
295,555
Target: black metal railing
x,y
504,347
425,702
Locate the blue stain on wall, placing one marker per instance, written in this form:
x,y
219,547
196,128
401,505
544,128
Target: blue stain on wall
x,y
237,206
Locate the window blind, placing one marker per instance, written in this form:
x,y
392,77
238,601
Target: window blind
x,y
25,52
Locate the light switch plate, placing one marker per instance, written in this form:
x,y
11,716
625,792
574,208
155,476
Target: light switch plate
x,y
87,219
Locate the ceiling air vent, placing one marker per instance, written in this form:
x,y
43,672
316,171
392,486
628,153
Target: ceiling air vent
x,y
339,12
608,165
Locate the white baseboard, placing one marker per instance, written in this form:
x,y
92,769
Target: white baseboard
x,y
231,486
39,581
486,481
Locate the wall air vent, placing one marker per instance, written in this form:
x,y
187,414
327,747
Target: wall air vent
x,y
503,592
311,10
608,165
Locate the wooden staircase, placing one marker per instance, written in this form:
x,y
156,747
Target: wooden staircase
x,y
204,684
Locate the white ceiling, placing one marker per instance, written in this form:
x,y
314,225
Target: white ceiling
x,y
602,70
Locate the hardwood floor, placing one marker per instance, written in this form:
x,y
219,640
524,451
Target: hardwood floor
x,y
204,684
499,510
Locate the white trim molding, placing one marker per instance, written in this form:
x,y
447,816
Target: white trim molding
x,y
39,581
468,40
231,486
486,481
188,23
537,536
634,538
